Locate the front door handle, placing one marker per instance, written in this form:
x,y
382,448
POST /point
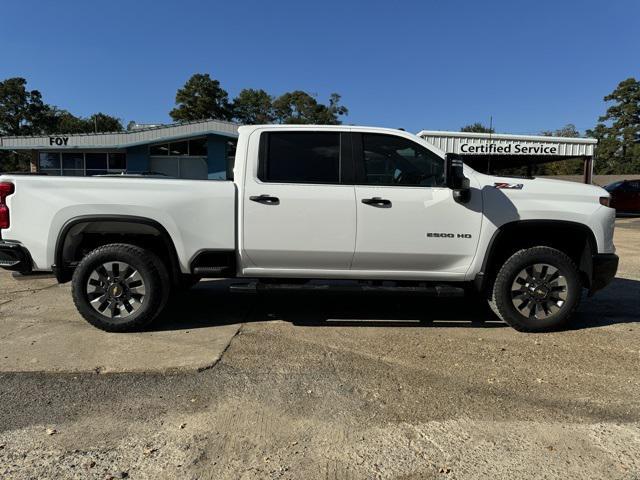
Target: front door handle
x,y
266,199
377,202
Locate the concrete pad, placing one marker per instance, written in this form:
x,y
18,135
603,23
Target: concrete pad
x,y
11,287
41,331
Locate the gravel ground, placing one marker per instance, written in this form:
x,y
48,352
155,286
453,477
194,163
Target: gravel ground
x,y
351,387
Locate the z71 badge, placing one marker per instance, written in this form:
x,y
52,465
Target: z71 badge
x,y
509,186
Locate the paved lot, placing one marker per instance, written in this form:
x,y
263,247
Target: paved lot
x,y
324,387
40,330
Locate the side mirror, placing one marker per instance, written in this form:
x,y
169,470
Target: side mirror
x,y
456,180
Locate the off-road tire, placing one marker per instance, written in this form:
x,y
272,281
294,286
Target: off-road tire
x,y
501,302
153,272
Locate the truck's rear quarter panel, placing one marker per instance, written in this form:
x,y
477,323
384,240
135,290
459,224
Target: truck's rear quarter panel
x,y
198,215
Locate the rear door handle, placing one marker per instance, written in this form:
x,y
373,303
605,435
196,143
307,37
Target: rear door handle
x,y
266,199
377,202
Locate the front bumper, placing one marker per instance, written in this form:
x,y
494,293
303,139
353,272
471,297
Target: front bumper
x,y
605,266
15,257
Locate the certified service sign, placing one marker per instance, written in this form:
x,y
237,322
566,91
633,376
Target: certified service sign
x,y
509,148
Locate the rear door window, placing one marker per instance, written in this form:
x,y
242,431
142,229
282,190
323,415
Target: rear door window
x,y
300,157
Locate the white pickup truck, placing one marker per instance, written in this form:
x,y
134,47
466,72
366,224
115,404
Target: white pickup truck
x,y
382,208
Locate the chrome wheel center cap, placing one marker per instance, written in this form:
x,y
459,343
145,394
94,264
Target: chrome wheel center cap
x,y
541,292
116,290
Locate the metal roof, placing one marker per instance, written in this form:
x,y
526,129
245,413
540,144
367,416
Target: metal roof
x,y
121,139
506,144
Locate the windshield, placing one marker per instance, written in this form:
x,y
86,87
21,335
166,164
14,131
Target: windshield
x,y
612,186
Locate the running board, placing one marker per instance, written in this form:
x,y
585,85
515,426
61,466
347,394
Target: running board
x,y
433,291
211,272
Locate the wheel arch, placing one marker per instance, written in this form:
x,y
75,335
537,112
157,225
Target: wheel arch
x,y
119,228
575,239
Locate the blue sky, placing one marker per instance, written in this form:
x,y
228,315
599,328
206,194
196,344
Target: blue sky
x,y
532,65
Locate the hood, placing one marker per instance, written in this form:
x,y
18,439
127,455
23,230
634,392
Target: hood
x,y
542,186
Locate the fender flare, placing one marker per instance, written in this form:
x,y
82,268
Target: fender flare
x,y
589,248
63,273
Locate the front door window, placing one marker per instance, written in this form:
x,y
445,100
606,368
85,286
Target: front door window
x,y
397,161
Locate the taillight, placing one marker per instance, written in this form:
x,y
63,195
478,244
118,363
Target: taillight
x,y
606,201
6,189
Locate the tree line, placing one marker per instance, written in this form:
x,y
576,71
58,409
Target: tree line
x,y
24,112
202,97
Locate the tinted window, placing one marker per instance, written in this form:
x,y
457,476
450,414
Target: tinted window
x,y
73,161
179,148
96,161
157,150
613,186
49,161
117,161
302,157
73,164
391,160
198,147
624,186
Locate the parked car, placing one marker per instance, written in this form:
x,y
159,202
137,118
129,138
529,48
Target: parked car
x,y
625,195
380,207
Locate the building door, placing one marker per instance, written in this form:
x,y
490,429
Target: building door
x,y
298,218
407,219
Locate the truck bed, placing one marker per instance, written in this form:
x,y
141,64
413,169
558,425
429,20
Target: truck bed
x,y
197,214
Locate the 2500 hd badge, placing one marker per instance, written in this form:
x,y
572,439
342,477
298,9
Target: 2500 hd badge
x,y
448,235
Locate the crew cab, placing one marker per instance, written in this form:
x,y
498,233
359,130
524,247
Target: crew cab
x,y
380,207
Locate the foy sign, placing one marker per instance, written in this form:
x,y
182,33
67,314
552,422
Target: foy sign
x,y
58,141
510,148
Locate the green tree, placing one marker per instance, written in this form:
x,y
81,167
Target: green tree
x,y
201,98
299,107
253,107
477,127
22,111
562,167
618,130
62,121
569,130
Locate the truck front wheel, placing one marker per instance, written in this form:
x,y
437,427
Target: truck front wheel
x,y
120,287
536,290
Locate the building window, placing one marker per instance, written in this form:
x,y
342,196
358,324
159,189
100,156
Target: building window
x,y
231,157
179,149
188,148
96,163
73,164
159,150
77,164
117,161
198,147
49,163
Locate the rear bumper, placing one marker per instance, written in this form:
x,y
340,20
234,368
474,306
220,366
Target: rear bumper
x,y
14,257
605,266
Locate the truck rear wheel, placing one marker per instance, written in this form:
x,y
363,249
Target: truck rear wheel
x,y
120,287
536,290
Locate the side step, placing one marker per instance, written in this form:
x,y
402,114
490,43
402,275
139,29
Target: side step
x,y
432,290
211,272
